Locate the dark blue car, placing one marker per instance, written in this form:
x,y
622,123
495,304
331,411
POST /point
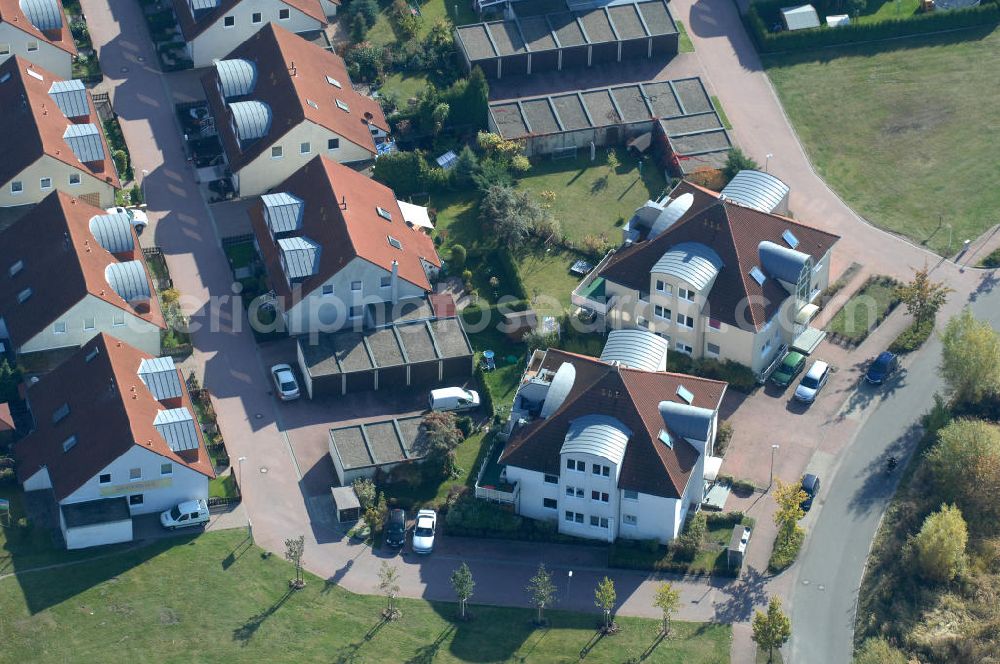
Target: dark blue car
x,y
881,368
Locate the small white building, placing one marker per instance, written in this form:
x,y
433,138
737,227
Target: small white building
x,y
114,429
279,101
334,241
611,447
212,28
70,271
38,31
800,17
53,139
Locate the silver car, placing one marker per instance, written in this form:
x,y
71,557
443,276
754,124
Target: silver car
x,y
284,382
812,382
423,531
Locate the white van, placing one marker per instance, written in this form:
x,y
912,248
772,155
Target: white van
x,y
453,398
188,513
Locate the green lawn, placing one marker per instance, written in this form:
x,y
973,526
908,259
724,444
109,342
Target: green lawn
x,y
905,132
589,197
863,312
887,10
546,276
241,254
215,598
684,39
722,113
223,486
468,456
404,86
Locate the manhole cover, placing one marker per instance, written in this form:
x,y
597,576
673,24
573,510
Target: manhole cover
x,y
263,469
124,70
805,582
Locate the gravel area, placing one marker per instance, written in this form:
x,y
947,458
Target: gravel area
x,y
597,26
508,119
417,342
537,33
321,357
506,37
385,349
567,31
384,442
689,123
451,341
351,352
601,110
414,442
704,142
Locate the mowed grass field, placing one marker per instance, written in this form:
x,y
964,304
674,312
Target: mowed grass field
x,y
215,598
907,132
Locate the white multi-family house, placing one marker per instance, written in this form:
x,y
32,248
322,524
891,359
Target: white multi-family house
x,y
70,271
53,139
278,101
213,28
335,241
37,30
115,436
611,447
715,277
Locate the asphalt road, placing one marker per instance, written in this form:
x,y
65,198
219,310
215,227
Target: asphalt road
x,y
832,563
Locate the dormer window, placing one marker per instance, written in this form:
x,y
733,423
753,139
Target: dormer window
x,y
69,443
60,413
385,214
334,82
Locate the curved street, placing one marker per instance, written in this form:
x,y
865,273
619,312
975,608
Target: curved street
x,y
275,496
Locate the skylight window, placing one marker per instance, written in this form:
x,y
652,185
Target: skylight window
x,y
685,394
60,413
343,106
334,82
92,354
757,275
666,439
312,103
16,267
395,243
385,214
23,296
790,239
69,443
34,74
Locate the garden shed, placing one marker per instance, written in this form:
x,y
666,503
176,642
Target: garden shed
x,y
361,450
522,45
800,17
346,505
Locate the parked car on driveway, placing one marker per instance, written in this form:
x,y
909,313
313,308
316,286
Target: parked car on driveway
x,y
284,382
188,513
789,368
810,484
423,531
395,529
812,382
453,398
882,367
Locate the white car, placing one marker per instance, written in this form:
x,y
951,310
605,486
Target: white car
x,y
812,382
188,513
284,382
453,398
423,531
136,215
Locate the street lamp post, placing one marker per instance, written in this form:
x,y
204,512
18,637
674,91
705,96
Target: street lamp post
x,y
770,483
767,161
569,583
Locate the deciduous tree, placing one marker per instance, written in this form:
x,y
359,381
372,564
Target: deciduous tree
x,y
510,214
879,651
541,591
294,550
388,585
442,435
463,585
789,498
667,600
939,547
771,629
964,467
923,297
970,358
605,598
364,489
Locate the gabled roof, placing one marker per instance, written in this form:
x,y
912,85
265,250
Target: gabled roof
x,y
34,126
62,261
734,233
296,80
109,411
631,397
340,215
12,13
211,11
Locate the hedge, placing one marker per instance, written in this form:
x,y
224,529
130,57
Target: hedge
x,y
511,273
761,13
486,400
786,549
912,338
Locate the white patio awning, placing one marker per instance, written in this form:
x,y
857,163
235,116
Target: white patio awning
x,y
712,466
806,314
415,215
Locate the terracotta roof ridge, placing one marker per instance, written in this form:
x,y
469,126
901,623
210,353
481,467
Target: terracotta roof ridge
x,y
744,275
675,374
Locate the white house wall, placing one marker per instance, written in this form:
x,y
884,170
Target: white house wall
x,y
98,534
160,492
47,167
137,332
532,491
656,518
266,172
47,56
329,8
217,41
589,482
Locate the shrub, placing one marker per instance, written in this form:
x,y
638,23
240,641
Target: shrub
x,y
737,161
992,260
722,438
912,338
121,163
7,476
367,9
690,540
786,549
465,425
359,28
472,516
403,172
939,548
739,376
879,651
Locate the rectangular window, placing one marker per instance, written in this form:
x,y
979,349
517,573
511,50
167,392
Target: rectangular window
x,y
683,348
59,328
385,214
74,179
104,479
45,183
255,17
663,287
712,349
549,503
599,522
606,471
356,285
32,46
385,282
574,491
630,520
662,313
305,148
355,312
60,413
283,14
24,295
166,469
276,152
229,21
714,324
599,496
685,294
394,243
135,474
119,319
686,321
642,322
327,289
628,494
89,323
569,516
16,187
135,499
573,464
601,470
69,443
578,517
552,479
332,143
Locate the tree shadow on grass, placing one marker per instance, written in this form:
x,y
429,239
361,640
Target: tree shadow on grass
x,y
246,631
426,654
660,636
350,652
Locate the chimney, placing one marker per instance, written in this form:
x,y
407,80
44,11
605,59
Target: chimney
x,y
292,69
65,240
394,282
343,202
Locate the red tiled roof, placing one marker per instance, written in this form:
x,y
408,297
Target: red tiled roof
x,y
632,397
191,27
34,125
274,50
110,410
6,421
59,274
357,231
734,232
11,14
